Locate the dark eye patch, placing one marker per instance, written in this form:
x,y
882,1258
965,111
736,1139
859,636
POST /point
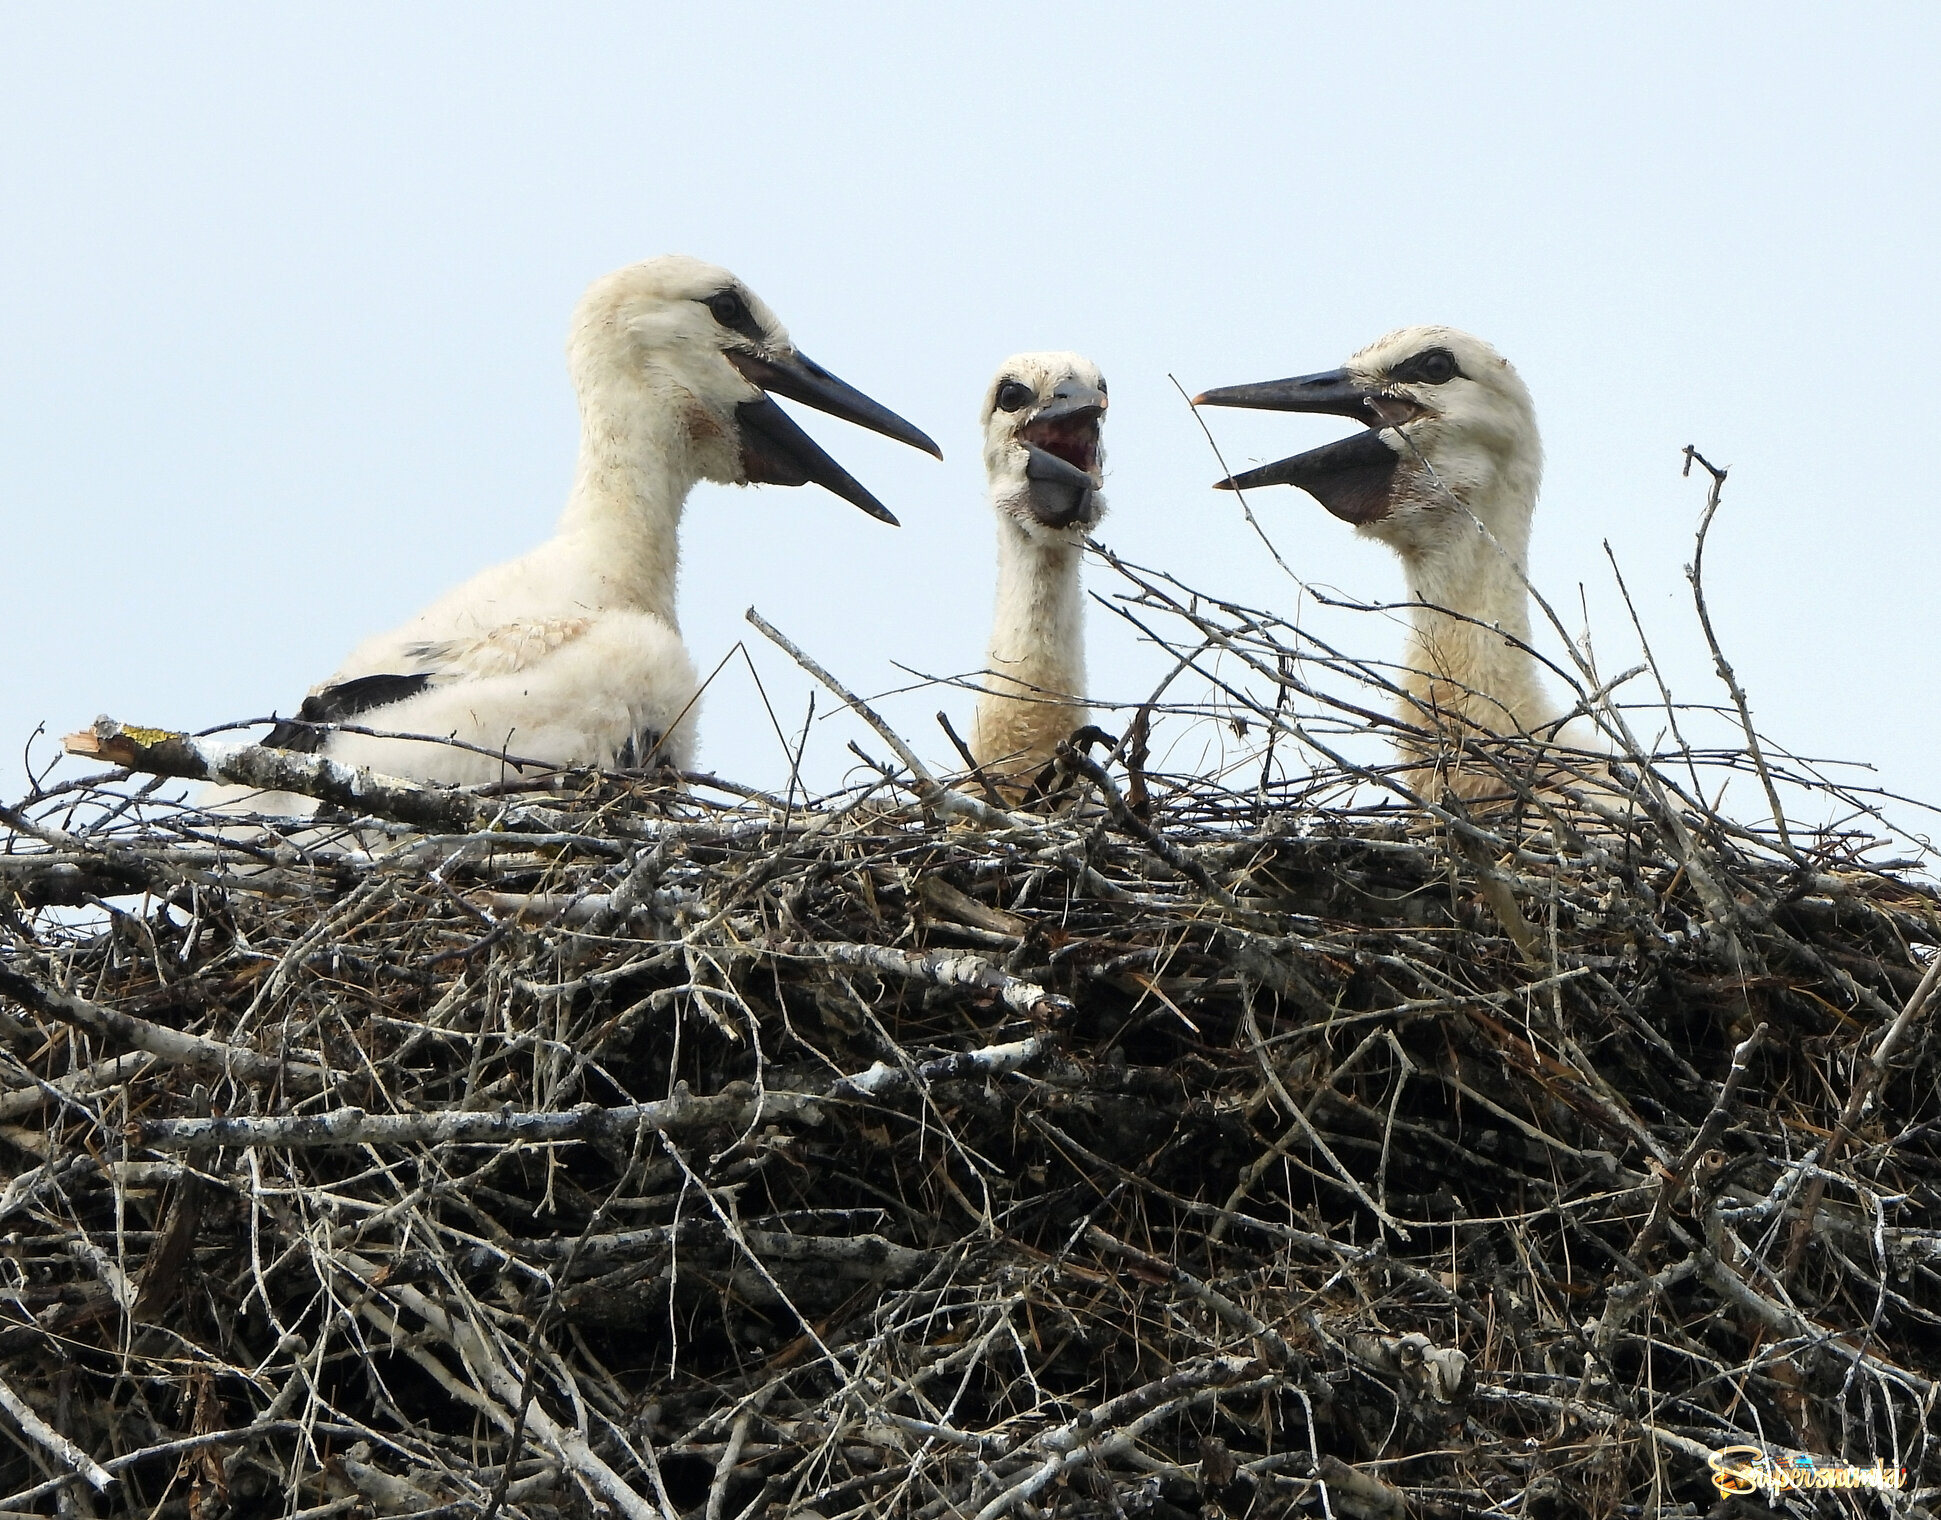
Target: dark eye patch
x,y
1433,366
731,311
1012,394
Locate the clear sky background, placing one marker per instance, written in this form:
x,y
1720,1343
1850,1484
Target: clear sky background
x,y
283,294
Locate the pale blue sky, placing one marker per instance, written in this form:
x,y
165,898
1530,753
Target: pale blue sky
x,y
283,294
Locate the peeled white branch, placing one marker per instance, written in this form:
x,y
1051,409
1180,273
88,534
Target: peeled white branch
x,y
43,1434
851,1256
987,1061
191,1050
162,752
737,1107
940,968
504,1126
103,1074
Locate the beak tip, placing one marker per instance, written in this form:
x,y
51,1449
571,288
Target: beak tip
x,y
1199,400
800,378
1225,485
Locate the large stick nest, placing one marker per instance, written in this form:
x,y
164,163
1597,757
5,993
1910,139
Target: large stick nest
x,y
617,1148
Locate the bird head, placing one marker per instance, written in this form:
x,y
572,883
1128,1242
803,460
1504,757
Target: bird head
x,y
1445,415
1042,451
688,339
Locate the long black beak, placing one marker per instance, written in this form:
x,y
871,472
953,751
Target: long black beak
x,y
775,451
1353,478
1335,392
800,378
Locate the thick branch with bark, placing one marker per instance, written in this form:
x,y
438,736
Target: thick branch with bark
x,y
162,752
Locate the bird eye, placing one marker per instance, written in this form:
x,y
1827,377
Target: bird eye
x,y
729,309
1011,395
1433,366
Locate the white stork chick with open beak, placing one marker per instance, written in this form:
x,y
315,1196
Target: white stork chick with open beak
x,y
1446,475
1045,463
572,653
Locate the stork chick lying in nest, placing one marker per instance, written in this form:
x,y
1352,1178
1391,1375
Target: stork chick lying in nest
x,y
1044,461
1446,475
572,653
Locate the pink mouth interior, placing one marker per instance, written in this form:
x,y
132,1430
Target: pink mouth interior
x,y
1073,439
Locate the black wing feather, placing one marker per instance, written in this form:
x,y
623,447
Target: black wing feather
x,y
335,704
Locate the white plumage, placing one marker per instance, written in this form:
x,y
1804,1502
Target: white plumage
x,y
1044,463
572,654
1447,477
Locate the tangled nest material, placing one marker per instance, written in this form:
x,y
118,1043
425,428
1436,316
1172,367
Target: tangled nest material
x,y
595,1146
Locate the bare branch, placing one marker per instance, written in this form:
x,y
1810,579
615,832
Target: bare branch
x,y
1695,573
46,1436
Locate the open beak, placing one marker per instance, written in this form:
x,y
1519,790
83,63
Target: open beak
x,y
1063,459
1351,478
775,451
1062,437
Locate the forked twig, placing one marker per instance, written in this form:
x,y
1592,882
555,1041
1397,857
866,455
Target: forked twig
x,y
1695,573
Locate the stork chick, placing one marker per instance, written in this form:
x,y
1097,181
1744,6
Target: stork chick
x,y
1044,462
572,653
1446,475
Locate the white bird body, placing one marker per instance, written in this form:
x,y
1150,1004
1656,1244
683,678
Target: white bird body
x,y
1447,476
566,654
573,690
1044,462
572,653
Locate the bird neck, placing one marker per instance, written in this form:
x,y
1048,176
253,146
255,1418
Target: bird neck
x,y
1038,633
1037,651
624,514
1473,671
